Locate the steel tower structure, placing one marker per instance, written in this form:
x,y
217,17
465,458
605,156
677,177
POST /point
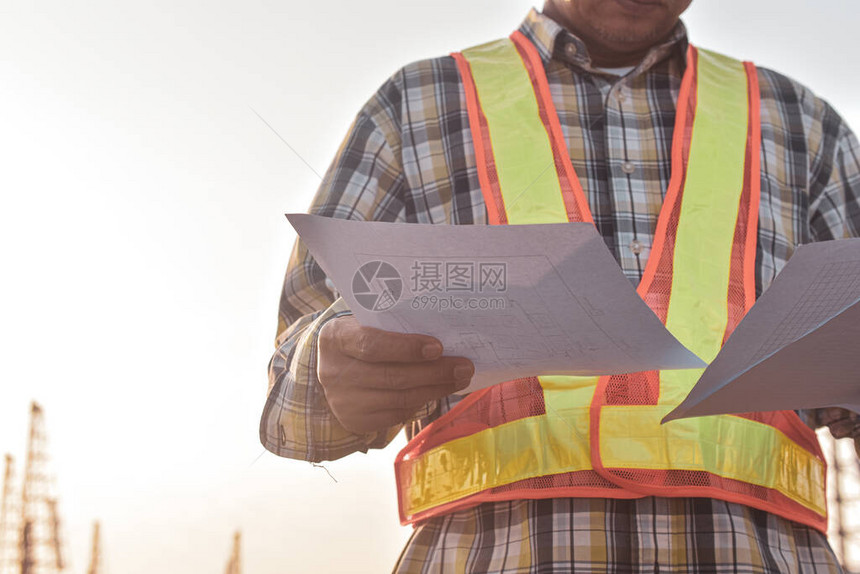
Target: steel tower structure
x,y
95,566
234,565
9,562
843,499
40,547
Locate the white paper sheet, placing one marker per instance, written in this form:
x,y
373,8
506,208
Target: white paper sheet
x,y
798,347
518,300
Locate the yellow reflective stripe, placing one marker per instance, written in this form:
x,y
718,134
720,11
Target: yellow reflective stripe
x,y
698,313
563,394
524,162
698,310
530,189
732,448
506,454
524,448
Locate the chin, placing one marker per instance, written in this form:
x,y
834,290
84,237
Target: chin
x,y
636,36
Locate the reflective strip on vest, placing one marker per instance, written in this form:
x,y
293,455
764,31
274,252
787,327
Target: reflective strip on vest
x,y
602,436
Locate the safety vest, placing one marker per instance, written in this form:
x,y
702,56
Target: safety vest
x,y
560,436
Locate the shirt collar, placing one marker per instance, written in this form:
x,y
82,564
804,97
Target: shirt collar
x,y
553,41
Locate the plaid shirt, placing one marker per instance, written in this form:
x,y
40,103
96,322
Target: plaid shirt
x,y
409,157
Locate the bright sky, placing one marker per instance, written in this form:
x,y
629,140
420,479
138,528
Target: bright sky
x,y
143,245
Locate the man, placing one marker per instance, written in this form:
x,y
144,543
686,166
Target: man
x,y
615,73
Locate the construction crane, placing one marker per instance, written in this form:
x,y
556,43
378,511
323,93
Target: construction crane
x,y
39,542
95,566
234,565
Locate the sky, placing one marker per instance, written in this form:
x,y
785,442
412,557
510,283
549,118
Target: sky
x,y
143,243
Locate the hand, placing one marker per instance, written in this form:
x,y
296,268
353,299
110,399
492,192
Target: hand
x,y
374,379
842,423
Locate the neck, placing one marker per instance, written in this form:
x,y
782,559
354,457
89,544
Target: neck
x,y
603,59
602,53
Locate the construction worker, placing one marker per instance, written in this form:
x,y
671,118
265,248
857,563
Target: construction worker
x,y
702,174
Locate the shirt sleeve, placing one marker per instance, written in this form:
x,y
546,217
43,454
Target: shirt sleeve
x,y
834,208
834,188
365,182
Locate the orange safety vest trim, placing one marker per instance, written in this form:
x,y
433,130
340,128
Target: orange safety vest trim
x,y
551,437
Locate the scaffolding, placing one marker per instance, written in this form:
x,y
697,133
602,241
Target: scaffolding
x,y
40,548
843,499
9,543
95,566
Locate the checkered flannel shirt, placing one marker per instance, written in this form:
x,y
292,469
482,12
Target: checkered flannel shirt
x,y
409,157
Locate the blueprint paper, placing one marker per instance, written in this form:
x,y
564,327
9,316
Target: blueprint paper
x,y
518,300
798,347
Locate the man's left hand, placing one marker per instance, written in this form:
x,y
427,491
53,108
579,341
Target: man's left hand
x,y
843,424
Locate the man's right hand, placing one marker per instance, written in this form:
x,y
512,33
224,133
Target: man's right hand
x,y
375,379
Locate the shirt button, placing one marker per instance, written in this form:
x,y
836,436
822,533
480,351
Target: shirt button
x,y
636,247
619,95
570,50
628,167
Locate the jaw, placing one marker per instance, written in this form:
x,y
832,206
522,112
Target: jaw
x,y
619,32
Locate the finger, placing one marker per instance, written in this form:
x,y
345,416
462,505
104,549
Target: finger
x,y
840,421
376,346
382,420
407,399
367,411
455,372
830,415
